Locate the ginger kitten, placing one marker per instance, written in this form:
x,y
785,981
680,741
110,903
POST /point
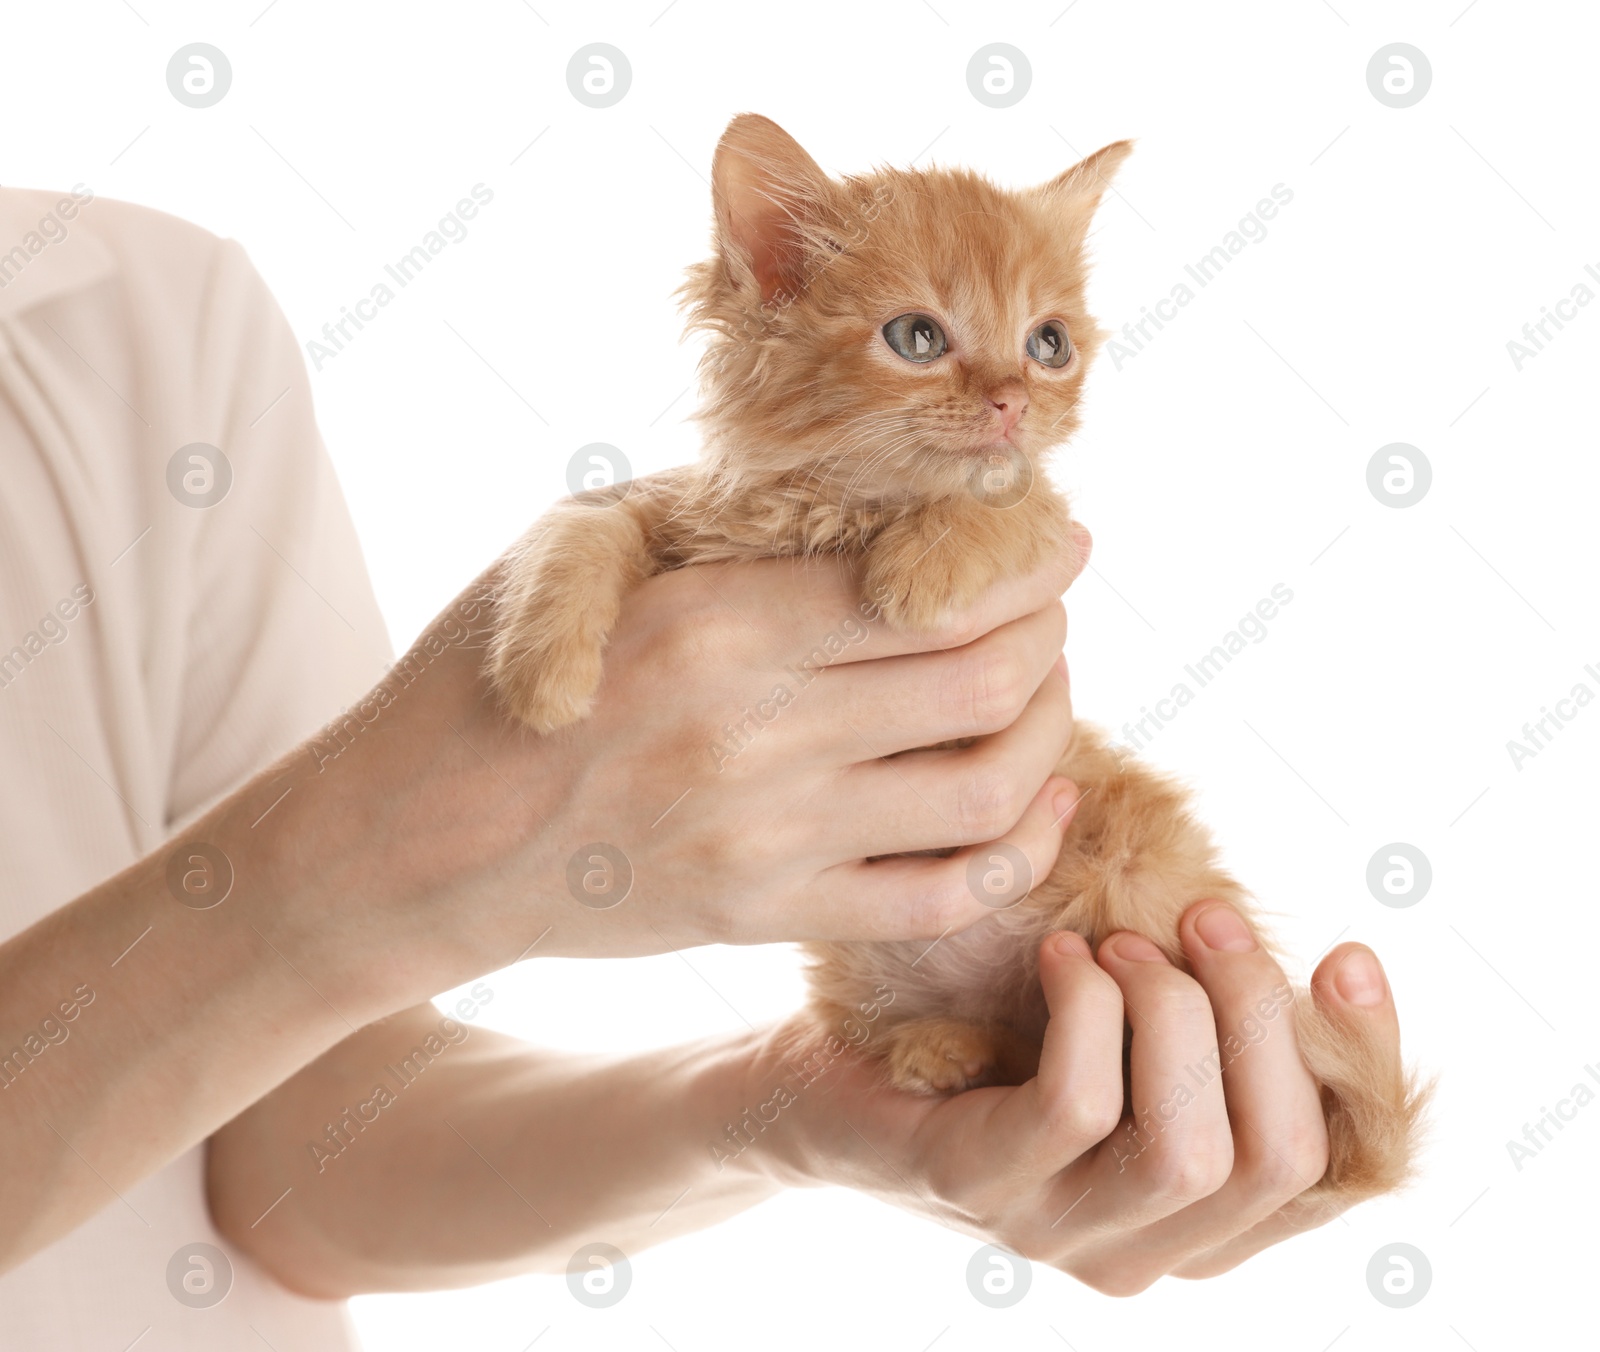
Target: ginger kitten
x,y
891,358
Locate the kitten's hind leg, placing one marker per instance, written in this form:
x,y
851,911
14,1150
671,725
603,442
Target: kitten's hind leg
x,y
564,586
939,1055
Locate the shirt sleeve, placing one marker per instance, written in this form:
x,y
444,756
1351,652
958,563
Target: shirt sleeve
x,y
284,630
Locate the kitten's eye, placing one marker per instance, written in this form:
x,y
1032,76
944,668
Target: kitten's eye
x,y
915,337
1049,345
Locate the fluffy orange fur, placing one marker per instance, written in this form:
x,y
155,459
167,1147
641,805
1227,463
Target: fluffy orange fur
x,y
822,439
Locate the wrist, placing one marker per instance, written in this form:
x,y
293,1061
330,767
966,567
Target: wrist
x,y
771,1133
311,874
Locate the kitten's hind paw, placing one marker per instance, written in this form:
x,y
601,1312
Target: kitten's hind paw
x,y
942,1056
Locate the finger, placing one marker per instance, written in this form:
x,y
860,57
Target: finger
x,y
922,898
1351,1036
1294,1219
1075,1101
1348,987
1176,1146
922,698
1280,1143
926,800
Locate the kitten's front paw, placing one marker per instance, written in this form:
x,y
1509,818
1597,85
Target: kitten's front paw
x,y
547,680
914,610
940,1056
916,590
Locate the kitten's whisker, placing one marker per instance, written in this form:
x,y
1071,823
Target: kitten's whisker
x,y
809,489
874,456
880,456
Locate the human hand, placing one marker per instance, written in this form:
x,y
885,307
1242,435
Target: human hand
x,y
737,793
1198,1177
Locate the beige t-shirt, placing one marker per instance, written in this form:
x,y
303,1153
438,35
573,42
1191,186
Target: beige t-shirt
x,y
154,651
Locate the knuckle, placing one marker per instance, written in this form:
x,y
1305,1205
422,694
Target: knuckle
x,y
1086,1119
1188,1176
1288,1167
1052,629
698,634
940,903
960,629
987,690
987,801
1114,1276
1211,1265
1174,999
949,1181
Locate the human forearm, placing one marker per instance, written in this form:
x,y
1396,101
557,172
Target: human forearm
x,y
217,966
529,1154
139,1017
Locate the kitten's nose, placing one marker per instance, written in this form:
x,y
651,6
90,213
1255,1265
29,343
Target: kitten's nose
x,y
1009,403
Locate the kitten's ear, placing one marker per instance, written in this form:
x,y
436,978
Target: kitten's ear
x,y
1079,189
765,190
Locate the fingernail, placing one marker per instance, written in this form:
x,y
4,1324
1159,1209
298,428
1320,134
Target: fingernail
x,y
1359,979
1061,666
1136,948
1222,929
1065,800
1069,942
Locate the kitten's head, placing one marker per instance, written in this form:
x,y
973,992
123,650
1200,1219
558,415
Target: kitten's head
x,y
888,333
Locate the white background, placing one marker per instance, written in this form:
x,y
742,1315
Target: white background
x,y
1228,456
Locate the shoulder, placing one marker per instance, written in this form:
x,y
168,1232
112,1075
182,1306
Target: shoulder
x,y
56,242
